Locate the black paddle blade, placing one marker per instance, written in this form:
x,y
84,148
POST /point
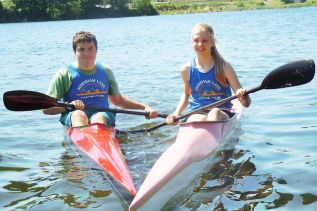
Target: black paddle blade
x,y
291,74
22,100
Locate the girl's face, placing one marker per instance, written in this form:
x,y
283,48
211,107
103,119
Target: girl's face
x,y
202,41
86,55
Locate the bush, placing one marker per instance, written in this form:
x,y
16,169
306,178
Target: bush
x,y
144,7
313,2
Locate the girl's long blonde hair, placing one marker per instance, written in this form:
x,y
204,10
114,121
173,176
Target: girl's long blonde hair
x,y
219,60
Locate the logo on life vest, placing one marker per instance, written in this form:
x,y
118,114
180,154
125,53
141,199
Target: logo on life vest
x,y
208,89
91,87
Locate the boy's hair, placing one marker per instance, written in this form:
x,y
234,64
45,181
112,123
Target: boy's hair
x,y
83,36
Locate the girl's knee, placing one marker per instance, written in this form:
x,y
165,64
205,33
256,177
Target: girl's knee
x,y
196,118
216,114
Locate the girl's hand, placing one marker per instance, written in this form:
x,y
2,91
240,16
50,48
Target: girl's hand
x,y
241,94
243,98
79,105
170,120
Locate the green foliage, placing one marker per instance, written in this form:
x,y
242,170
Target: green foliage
x,y
173,6
117,4
8,12
259,2
312,2
31,10
8,4
143,7
287,1
38,10
1,12
240,3
168,6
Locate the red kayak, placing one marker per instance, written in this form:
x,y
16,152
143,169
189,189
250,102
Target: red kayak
x,y
100,143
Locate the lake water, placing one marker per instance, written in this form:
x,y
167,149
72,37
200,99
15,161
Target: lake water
x,y
274,165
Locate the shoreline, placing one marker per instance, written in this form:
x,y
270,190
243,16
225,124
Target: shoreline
x,y
169,8
195,6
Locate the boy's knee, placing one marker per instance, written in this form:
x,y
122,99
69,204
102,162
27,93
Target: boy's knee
x,y
78,114
99,118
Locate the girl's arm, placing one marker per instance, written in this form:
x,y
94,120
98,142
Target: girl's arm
x,y
183,102
235,85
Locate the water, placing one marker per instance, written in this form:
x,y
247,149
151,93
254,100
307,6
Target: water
x,y
272,167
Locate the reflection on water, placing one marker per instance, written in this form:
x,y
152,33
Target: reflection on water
x,y
77,187
84,172
207,190
231,179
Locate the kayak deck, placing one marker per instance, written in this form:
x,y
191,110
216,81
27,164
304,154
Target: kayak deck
x,y
100,144
191,154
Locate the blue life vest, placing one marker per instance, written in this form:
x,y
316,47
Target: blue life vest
x,y
92,89
205,89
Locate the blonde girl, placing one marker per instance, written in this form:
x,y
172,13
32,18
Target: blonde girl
x,y
208,78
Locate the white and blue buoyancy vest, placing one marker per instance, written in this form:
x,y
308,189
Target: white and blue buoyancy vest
x,y
205,89
92,89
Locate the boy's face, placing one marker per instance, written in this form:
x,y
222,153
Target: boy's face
x,y
85,54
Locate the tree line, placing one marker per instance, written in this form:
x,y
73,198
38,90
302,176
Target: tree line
x,y
45,10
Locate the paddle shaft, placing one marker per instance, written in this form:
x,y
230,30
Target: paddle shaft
x,y
216,104
24,100
213,105
112,110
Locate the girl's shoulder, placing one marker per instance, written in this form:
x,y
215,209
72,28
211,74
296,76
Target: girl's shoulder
x,y
227,68
185,71
186,67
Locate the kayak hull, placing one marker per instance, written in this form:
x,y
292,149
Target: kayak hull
x,y
100,144
192,153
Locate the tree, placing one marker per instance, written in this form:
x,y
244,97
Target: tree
x,y
144,7
9,12
31,10
117,4
88,8
2,17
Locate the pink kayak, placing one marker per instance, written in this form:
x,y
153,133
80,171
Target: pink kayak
x,y
191,154
101,144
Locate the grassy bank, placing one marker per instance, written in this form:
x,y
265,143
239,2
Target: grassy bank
x,y
195,6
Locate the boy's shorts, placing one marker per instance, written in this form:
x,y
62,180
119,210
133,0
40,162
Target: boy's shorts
x,y
66,117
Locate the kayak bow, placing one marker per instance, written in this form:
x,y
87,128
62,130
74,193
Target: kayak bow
x,y
191,154
100,143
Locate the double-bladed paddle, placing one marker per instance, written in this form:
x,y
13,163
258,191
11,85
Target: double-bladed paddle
x,y
288,75
23,100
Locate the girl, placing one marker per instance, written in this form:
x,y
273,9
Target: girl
x,y
207,79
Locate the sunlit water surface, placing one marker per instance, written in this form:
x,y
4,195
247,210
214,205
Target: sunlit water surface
x,y
274,165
